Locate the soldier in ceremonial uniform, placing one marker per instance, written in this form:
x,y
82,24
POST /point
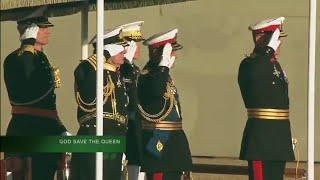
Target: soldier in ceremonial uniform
x,y
132,34
115,110
166,153
266,143
31,81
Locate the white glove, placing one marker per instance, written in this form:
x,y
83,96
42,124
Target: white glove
x,y
113,49
66,133
30,32
274,40
131,50
167,60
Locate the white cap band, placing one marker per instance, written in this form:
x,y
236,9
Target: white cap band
x,y
113,49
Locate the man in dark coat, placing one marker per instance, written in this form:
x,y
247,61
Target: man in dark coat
x,y
114,109
31,81
266,143
166,153
130,72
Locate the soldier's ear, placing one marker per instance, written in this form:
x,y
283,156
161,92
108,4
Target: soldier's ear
x,y
261,39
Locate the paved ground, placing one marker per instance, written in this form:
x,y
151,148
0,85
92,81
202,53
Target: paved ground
x,y
231,161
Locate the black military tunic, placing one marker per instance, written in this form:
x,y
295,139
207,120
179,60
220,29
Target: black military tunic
x,y
163,150
264,85
130,73
115,117
30,82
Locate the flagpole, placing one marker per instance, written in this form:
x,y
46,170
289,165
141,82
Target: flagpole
x,y
99,120
311,86
84,30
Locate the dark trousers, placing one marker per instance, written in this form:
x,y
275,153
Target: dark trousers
x,y
266,170
164,176
44,165
83,166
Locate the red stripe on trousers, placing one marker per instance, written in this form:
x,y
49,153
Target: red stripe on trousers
x,y
157,176
257,170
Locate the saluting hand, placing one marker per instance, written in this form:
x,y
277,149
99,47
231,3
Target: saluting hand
x,y
30,32
167,60
131,50
274,40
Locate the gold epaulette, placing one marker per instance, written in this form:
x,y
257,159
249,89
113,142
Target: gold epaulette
x,y
93,61
109,67
24,48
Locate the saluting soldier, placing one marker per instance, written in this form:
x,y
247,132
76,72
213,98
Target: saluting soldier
x,y
31,81
266,143
166,153
114,108
130,72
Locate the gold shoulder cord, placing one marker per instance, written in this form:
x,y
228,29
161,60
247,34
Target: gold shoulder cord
x,y
168,96
29,48
81,103
33,101
108,90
